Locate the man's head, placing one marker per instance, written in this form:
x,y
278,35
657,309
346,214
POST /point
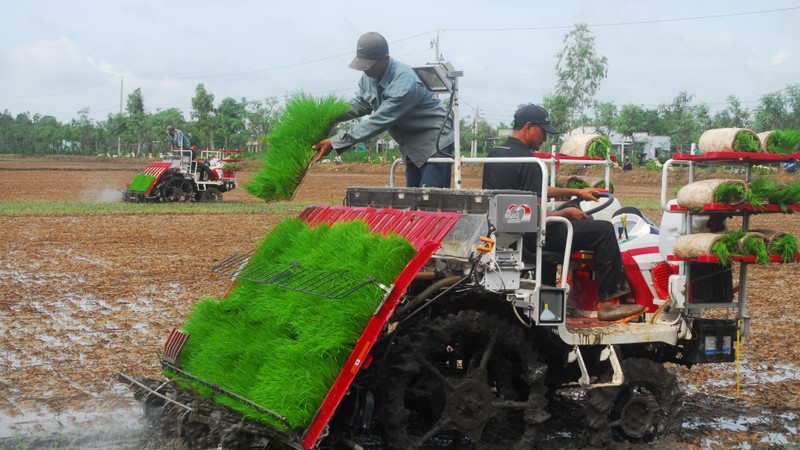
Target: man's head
x,y
372,54
170,130
531,125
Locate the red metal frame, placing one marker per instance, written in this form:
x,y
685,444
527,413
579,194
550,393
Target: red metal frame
x,y
156,169
364,345
425,230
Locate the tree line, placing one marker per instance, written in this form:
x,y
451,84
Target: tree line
x,y
229,124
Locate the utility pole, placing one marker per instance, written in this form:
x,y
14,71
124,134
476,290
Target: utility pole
x,y
119,138
435,46
474,146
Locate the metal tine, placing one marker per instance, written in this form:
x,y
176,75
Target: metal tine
x,y
333,285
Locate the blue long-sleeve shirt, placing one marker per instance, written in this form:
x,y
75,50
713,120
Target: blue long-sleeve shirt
x,y
399,103
179,141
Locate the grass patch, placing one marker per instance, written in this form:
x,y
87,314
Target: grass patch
x,y
48,208
304,122
280,348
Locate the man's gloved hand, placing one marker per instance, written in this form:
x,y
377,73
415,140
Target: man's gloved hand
x,y
322,147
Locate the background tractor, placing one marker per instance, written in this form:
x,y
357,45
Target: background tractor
x,y
175,178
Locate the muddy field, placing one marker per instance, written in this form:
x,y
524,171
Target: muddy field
x,y
85,296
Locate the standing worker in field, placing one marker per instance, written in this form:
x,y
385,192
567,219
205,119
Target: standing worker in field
x,y
179,141
397,102
530,128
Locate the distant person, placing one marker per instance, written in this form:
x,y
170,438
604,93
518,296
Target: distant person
x,y
627,165
790,167
530,128
396,101
180,142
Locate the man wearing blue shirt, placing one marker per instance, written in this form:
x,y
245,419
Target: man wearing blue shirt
x,y
396,101
177,140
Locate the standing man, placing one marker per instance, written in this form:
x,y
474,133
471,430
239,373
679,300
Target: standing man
x,y
177,140
530,128
397,102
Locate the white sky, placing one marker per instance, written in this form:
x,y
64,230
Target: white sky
x,y
57,56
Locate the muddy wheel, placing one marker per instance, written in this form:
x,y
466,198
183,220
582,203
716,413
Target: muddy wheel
x,y
647,406
175,189
212,195
465,380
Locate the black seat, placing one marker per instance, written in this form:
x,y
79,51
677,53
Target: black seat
x,y
550,262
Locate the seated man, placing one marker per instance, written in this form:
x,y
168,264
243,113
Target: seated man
x,y
530,128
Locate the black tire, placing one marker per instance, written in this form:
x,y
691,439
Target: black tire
x,y
212,195
468,380
647,406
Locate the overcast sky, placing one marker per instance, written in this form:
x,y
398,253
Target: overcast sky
x,y
58,57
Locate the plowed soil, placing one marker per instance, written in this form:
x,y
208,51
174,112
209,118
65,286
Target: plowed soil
x,y
85,296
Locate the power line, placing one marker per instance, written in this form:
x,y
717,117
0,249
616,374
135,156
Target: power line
x,y
619,24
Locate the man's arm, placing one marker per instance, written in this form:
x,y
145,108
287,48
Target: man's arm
x,y
583,194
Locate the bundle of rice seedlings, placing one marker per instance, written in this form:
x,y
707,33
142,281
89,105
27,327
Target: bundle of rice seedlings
x,y
141,182
282,348
746,142
598,148
575,182
697,194
592,145
780,243
780,141
695,245
754,244
304,122
727,246
786,246
785,194
728,139
772,192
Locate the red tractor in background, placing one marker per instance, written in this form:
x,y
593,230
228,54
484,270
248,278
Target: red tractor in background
x,y
176,178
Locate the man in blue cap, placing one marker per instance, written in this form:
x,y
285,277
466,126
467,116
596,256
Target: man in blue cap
x,y
395,100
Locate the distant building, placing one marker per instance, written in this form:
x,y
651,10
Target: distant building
x,y
648,146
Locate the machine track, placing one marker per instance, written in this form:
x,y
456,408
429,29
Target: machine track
x,y
463,380
648,405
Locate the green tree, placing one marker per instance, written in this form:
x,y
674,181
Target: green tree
x,y
631,120
771,113
558,107
230,122
203,114
136,117
734,116
580,70
684,121
605,114
260,115
158,124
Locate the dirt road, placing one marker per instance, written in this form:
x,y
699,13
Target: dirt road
x,y
85,296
